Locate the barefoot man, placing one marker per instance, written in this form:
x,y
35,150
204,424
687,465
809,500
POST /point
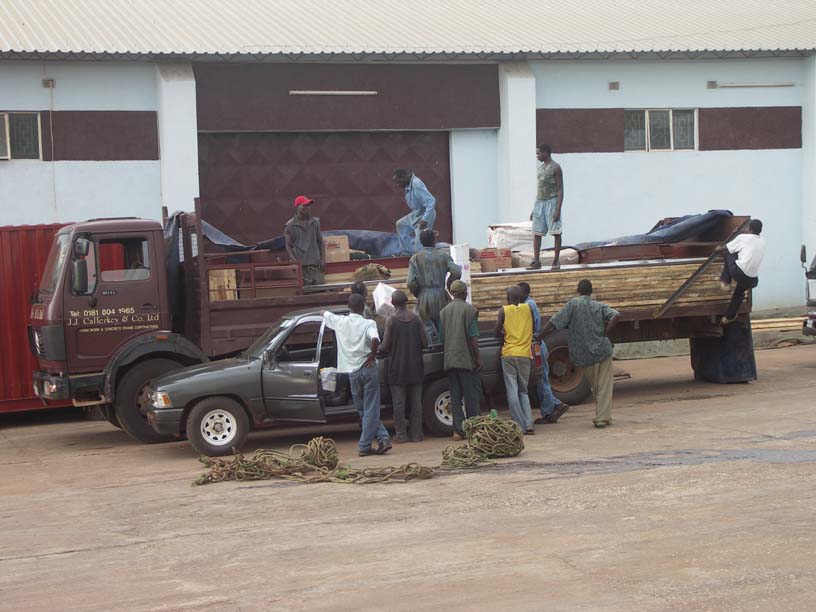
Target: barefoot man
x,y
546,215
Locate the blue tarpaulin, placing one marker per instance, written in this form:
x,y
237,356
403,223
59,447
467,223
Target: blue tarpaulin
x,y
675,231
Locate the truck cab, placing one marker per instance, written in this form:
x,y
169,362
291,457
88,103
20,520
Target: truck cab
x,y
101,307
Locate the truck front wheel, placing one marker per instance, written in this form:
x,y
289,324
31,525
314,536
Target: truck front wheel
x,y
132,401
216,425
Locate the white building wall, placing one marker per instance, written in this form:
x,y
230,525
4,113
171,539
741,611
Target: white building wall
x,y
809,159
612,194
516,140
474,184
32,191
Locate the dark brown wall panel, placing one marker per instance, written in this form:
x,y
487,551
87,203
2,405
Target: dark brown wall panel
x,y
580,130
409,97
770,127
100,135
249,181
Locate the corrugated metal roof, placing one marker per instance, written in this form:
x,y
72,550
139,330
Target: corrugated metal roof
x,y
194,28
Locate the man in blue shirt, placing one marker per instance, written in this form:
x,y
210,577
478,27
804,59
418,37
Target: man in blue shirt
x,y
423,210
551,408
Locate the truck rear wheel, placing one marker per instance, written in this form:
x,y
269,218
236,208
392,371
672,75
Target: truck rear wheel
x,y
216,425
567,380
132,402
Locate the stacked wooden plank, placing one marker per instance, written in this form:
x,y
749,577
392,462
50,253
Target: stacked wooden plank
x,y
627,288
789,324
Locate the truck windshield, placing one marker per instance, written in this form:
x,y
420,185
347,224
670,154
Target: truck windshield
x,y
55,263
261,343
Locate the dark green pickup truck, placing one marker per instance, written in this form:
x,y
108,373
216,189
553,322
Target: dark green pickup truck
x,y
277,381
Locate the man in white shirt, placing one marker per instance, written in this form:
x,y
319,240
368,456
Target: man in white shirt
x,y
357,343
743,255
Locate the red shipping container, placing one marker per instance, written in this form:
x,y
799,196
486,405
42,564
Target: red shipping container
x,y
23,252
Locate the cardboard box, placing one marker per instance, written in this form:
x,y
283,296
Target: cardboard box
x,y
337,248
493,260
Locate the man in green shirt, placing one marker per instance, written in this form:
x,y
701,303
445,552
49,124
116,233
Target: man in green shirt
x,y
588,323
459,335
546,215
427,271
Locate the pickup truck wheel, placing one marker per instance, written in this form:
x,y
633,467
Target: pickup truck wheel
x,y
216,425
567,380
131,402
436,412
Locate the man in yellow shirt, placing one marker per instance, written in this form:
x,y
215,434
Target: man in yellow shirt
x,y
515,326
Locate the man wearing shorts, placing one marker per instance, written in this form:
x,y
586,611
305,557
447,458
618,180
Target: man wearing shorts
x,y
546,215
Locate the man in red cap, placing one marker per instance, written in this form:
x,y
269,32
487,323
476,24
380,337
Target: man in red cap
x,y
304,242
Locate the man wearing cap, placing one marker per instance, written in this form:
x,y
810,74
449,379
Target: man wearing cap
x,y
427,271
459,335
304,242
423,210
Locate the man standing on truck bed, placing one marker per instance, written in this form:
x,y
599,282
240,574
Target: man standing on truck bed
x,y
546,215
589,323
304,242
426,278
551,408
459,335
515,325
423,210
403,341
357,343
743,256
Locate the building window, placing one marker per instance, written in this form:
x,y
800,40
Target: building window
x,y
19,136
659,130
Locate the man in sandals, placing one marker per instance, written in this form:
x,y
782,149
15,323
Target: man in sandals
x,y
743,256
546,215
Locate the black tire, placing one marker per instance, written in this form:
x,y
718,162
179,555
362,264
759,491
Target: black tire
x,y
131,400
216,425
108,413
567,380
436,415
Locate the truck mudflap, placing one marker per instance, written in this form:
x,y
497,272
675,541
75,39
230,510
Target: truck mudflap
x,y
161,343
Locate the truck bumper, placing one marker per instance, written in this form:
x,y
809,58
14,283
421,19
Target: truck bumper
x,y
809,324
51,387
165,421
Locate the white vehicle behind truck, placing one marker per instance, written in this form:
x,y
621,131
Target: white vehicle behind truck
x,y
809,325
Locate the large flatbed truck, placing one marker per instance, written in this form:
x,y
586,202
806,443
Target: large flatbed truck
x,y
109,314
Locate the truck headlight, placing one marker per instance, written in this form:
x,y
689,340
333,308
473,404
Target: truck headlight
x,y
161,399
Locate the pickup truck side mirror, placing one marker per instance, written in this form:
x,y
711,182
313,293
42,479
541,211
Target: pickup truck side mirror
x,y
80,277
270,356
81,247
803,254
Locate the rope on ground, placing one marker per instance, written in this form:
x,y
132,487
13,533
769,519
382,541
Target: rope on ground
x,y
488,437
316,461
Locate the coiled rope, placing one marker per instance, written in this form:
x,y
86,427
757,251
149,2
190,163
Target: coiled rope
x,y
316,461
489,437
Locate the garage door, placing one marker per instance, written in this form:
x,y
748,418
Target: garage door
x,y
249,180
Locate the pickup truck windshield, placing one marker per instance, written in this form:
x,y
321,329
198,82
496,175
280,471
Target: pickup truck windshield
x,y
261,343
55,263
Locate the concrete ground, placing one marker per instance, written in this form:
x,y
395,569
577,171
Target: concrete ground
x,y
700,497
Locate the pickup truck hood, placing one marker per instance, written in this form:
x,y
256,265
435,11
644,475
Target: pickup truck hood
x,y
204,376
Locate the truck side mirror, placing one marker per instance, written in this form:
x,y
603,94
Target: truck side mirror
x,y
803,254
80,277
81,247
